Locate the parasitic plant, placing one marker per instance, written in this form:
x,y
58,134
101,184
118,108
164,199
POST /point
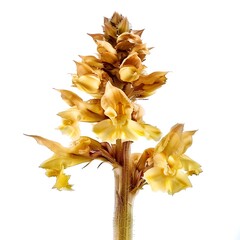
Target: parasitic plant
x,y
115,79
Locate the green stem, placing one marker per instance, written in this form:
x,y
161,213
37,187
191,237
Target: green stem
x,y
123,218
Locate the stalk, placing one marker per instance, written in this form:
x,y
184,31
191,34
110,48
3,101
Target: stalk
x,y
123,213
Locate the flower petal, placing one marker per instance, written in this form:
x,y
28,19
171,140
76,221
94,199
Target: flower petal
x,y
187,139
190,166
131,68
129,74
116,99
151,132
70,124
170,184
172,141
108,131
105,130
62,182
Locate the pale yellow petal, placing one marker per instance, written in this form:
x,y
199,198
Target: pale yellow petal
x,y
86,111
190,166
129,74
172,141
107,131
110,112
62,182
116,99
104,46
151,132
70,124
131,68
155,178
72,130
178,182
133,130
187,139
170,184
52,172
81,146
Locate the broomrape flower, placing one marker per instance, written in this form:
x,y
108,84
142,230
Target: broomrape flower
x,y
120,124
86,79
146,85
118,108
81,111
131,68
64,157
171,167
85,111
107,52
83,150
70,126
116,80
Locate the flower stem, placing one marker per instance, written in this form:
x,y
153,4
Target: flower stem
x,y
123,219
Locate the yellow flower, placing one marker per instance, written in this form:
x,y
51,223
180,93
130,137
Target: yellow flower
x,y
107,52
146,85
62,181
70,124
64,157
124,118
171,167
85,111
131,68
150,132
86,79
118,108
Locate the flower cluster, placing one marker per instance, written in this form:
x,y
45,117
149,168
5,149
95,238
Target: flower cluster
x,y
166,167
115,78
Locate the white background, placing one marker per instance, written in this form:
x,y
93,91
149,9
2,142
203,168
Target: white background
x,y
197,41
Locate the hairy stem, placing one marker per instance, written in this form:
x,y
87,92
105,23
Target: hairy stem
x,y
123,219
